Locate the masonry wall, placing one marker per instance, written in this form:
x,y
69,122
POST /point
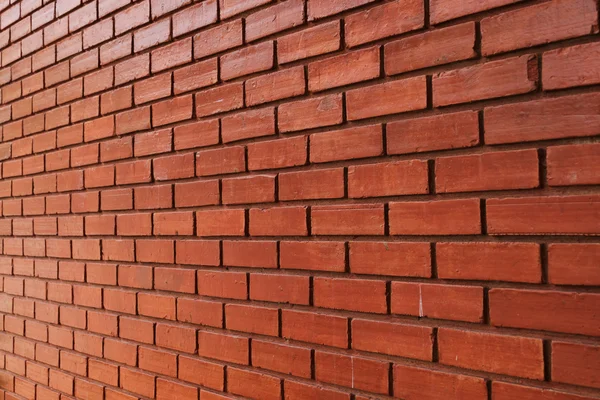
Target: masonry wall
x,y
300,199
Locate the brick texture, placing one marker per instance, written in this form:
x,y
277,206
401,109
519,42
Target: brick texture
x,y
299,199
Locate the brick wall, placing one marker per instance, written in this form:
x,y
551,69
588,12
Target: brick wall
x,y
300,199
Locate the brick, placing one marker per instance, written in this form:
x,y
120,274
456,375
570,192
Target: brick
x,y
442,217
281,358
260,254
313,184
245,318
132,17
555,118
200,312
199,193
410,341
321,39
517,29
173,110
278,221
236,348
248,60
222,284
329,73
572,312
369,375
440,132
530,215
429,49
415,382
322,8
364,219
254,384
195,17
315,328
570,66
274,19
395,18
172,55
196,134
220,99
248,125
173,167
222,37
278,85
488,171
343,144
575,363
280,153
312,113
504,391
288,288
572,165
388,179
231,8
573,264
388,98
229,222
511,262
195,76
501,78
158,251
331,293
453,351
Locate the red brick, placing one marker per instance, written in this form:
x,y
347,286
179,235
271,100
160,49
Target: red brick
x,y
220,161
275,86
344,144
330,73
296,390
575,364
195,17
222,37
223,347
220,99
198,193
554,215
253,384
511,262
290,360
195,76
231,8
453,350
322,8
437,47
274,19
310,42
500,78
505,391
352,372
132,17
158,251
571,66
177,53
433,133
412,341
248,60
388,179
555,118
278,221
573,264
571,312
281,153
488,171
573,165
196,134
252,189
150,197
173,110
364,219
248,124
200,312
538,24
222,284
393,19
177,166
315,328
230,222
331,293
413,382
260,254
246,318
279,288
442,217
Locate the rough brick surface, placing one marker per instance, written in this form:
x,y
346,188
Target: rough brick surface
x,y
299,199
